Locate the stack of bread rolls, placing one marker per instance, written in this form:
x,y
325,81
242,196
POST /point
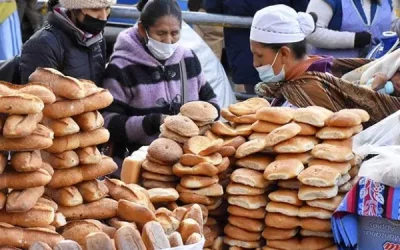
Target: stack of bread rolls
x,y
313,156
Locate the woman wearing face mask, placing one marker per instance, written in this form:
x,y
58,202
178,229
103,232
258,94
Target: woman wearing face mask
x,y
144,77
71,41
290,76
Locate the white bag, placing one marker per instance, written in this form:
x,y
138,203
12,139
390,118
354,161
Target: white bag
x,y
382,140
197,246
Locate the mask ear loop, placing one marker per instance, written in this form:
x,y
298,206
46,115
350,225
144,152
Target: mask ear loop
x,y
276,56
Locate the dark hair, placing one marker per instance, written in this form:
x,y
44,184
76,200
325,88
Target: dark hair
x,y
154,9
299,48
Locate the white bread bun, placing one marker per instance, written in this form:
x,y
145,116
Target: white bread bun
x,y
223,129
285,196
246,223
245,119
281,221
314,116
157,168
249,177
256,162
214,190
199,111
264,126
282,134
204,168
241,234
249,106
283,170
198,181
307,193
327,204
160,195
303,157
240,189
341,167
331,150
312,212
319,176
248,202
362,113
241,244
250,147
192,160
314,224
293,184
203,146
272,233
278,115
248,213
298,144
282,208
335,133
181,125
343,119
307,129
228,115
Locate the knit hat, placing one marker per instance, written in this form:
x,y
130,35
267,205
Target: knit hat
x,y
281,24
86,4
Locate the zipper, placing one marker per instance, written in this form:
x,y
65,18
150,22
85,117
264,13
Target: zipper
x,y
167,95
91,64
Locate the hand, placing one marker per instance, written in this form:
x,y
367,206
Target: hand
x,y
362,39
379,81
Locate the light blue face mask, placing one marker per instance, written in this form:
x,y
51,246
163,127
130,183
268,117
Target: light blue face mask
x,y
267,74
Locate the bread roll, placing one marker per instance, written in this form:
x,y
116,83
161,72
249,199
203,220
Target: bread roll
x,y
168,134
89,121
3,199
335,133
108,230
241,234
292,243
243,130
319,176
248,213
158,177
315,243
336,152
223,129
196,198
283,170
160,195
39,246
89,155
248,107
193,160
282,134
98,241
239,243
250,147
67,196
311,115
327,204
278,115
59,220
298,144
285,196
18,126
246,223
71,176
181,125
26,161
307,193
157,168
134,212
203,146
67,159
227,151
128,238
255,136
245,119
62,127
64,143
193,239
23,201
341,167
240,189
307,129
20,104
228,115
204,168
272,233
165,150
117,223
306,233
198,181
175,239
41,138
98,210
282,208
293,184
278,220
92,190
24,238
153,236
78,230
211,191
248,202
264,126
256,162
188,227
25,180
305,158
93,138
67,245
158,184
45,201
3,162
249,177
343,119
314,224
35,89
38,216
97,101
312,212
64,108
199,111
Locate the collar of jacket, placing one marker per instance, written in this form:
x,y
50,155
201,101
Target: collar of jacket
x,y
59,19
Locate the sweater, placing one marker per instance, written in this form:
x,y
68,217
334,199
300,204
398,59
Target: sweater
x,y
145,88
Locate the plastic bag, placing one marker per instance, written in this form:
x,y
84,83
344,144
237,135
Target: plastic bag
x,y
197,246
383,141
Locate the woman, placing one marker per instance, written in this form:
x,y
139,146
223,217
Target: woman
x,y
71,42
349,28
10,38
144,77
278,44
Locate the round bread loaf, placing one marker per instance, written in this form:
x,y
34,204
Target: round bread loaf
x,y
298,144
264,126
248,202
249,148
282,134
272,233
165,150
199,111
249,106
332,152
249,177
241,244
283,170
341,167
313,212
311,115
169,134
181,125
343,119
241,234
278,115
248,213
335,133
157,168
362,113
246,223
281,221
319,176
285,196
327,204
223,129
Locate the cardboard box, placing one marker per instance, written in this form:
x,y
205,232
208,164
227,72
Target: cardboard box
x,y
378,234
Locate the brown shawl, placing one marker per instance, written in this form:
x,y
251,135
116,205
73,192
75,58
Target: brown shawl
x,y
320,89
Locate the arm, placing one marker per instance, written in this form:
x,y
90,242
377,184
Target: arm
x,y
300,5
43,50
214,6
122,126
324,37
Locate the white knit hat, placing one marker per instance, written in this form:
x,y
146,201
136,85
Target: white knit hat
x,y
281,24
86,4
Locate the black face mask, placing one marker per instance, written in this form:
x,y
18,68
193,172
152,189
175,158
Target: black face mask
x,y
91,25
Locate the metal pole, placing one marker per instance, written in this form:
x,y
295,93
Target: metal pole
x,y
121,11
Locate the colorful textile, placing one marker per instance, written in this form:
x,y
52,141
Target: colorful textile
x,y
10,45
367,198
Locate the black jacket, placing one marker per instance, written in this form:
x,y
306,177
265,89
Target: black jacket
x,y
62,46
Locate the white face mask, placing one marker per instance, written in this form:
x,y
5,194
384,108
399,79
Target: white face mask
x,y
161,51
267,73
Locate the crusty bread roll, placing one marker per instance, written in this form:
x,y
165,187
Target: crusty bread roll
x,y
246,223
256,162
24,238
316,243
255,136
204,168
3,162
248,202
62,127
198,181
26,161
160,195
157,168
89,155
240,189
78,230
193,239
18,126
250,147
241,244
39,246
168,134
39,216
313,212
285,196
307,233
110,231
175,239
199,111
203,146
305,158
67,196
278,220
67,159
336,152
71,176
362,113
249,106
134,212
169,224
249,177
282,134
241,234
278,115
343,119
187,227
92,190
307,129
64,143
3,198
272,233
67,245
228,115
196,198
41,138
97,101
192,160
293,184
311,115
319,176
283,170
147,183
64,108
227,151
327,204
247,213
341,167
292,243
25,180
314,224
117,223
45,201
35,89
298,144
59,220
98,241
98,210
245,119
181,125
282,208
93,138
211,191
223,129
195,213
335,133
158,177
127,236
153,236
89,121
23,201
264,126
307,193
165,150
20,104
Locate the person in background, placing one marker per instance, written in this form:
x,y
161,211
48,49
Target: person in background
x,y
144,77
237,43
10,30
212,35
349,28
71,41
29,9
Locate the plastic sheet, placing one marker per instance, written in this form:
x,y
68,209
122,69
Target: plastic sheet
x,y
197,246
